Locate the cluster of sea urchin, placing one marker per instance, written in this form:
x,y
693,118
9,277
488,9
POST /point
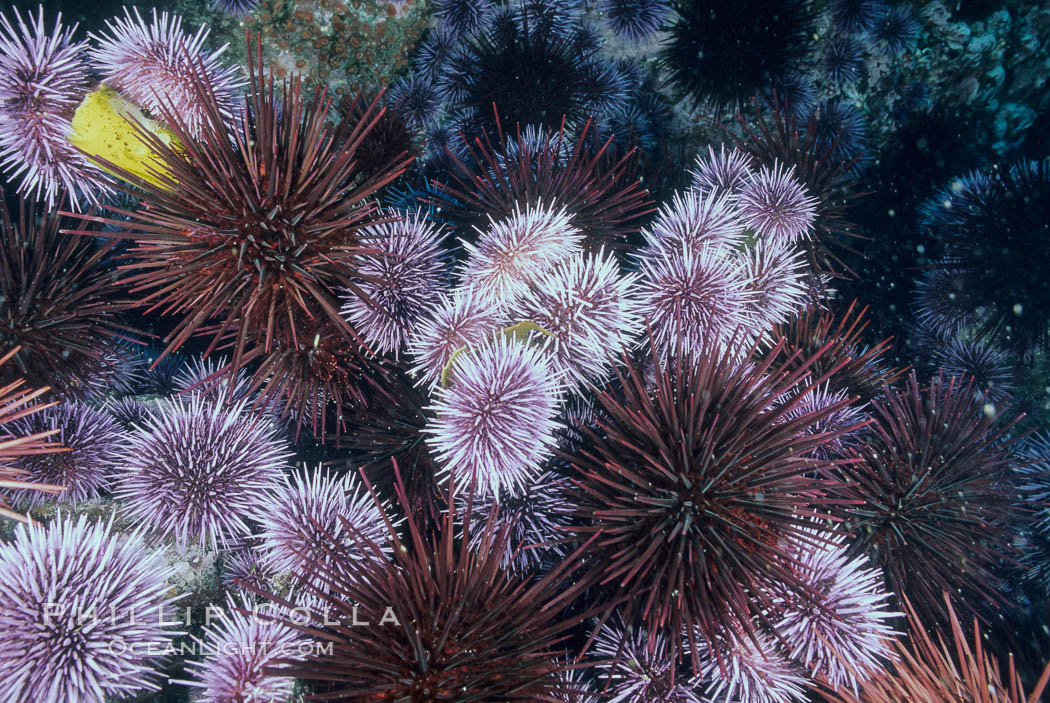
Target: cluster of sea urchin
x,y
272,247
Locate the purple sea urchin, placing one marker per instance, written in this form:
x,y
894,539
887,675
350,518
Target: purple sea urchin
x,y
978,359
197,470
72,591
776,280
636,669
695,300
242,652
512,253
843,59
841,635
776,205
856,15
943,303
536,521
556,77
94,440
726,171
693,219
896,30
158,67
750,668
399,277
590,313
495,422
720,53
236,8
316,517
458,320
462,17
43,77
844,425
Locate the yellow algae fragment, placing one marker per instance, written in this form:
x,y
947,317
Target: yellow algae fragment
x,y
104,126
523,332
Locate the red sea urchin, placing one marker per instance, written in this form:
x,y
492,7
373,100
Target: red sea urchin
x,y
692,483
600,189
942,670
251,239
17,403
446,621
940,492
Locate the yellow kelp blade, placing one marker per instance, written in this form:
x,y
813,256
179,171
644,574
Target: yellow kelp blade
x,y
104,126
523,332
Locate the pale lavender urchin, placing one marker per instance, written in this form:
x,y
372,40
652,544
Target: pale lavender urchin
x,y
94,439
843,423
844,633
206,376
534,519
750,669
693,219
244,567
241,651
457,321
400,276
726,171
778,280
43,77
495,423
640,671
78,598
590,313
198,470
302,524
153,65
696,300
776,205
512,253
